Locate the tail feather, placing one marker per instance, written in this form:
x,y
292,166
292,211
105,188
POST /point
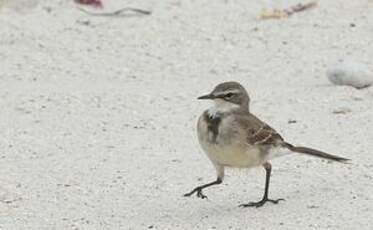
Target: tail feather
x,y
315,153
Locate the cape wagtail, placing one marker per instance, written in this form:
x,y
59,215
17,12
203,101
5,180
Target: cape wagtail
x,y
233,137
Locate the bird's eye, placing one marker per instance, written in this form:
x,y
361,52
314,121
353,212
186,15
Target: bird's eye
x,y
228,95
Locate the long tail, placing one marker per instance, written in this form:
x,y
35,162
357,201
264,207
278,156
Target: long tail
x,y
315,153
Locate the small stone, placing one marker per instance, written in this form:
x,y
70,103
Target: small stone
x,y
351,73
84,22
48,9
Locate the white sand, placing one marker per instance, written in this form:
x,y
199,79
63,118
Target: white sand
x,y
98,122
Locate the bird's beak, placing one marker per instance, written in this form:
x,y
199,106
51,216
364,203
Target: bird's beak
x,y
207,96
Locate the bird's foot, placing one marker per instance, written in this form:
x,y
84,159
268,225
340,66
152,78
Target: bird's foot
x,y
260,203
198,191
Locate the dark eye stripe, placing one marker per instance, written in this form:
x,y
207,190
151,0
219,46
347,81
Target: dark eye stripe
x,y
228,95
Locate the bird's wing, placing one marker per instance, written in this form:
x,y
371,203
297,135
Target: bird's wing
x,y
257,132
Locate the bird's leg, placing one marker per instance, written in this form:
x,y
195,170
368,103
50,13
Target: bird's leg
x,y
198,189
267,166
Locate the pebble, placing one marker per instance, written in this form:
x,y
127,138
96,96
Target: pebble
x,y
351,73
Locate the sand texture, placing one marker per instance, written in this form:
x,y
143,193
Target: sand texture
x,y
98,115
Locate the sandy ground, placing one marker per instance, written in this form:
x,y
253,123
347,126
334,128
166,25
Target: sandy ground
x,y
98,115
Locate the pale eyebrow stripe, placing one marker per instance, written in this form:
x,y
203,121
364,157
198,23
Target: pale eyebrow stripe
x,y
228,91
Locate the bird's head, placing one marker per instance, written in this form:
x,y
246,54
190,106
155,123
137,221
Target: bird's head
x,y
229,96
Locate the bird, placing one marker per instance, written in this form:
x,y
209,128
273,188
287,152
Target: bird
x,y
233,137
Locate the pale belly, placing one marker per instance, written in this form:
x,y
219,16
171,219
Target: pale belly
x,y
228,146
233,155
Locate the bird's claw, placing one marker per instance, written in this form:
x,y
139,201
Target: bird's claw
x,y
199,193
260,203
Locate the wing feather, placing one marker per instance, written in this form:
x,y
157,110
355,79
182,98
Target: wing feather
x,y
257,132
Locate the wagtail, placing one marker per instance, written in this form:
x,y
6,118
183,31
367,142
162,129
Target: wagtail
x,y
231,136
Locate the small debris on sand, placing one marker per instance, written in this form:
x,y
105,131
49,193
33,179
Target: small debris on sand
x,y
342,111
284,13
94,3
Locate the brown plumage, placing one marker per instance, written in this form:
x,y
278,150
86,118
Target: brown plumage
x,y
259,133
233,137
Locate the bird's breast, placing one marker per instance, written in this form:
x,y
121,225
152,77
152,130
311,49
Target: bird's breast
x,y
224,144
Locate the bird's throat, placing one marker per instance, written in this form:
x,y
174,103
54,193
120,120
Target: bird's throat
x,y
220,107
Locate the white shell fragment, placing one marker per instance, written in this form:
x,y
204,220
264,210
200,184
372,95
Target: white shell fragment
x,y
353,74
